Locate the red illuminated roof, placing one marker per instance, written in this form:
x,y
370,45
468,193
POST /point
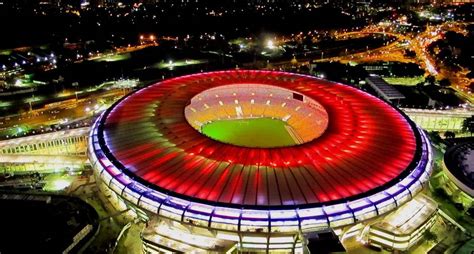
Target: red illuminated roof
x,y
366,145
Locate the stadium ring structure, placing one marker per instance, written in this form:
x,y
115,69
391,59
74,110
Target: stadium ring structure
x,y
356,157
459,168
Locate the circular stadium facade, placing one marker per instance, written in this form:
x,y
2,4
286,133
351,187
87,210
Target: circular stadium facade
x,y
348,156
458,161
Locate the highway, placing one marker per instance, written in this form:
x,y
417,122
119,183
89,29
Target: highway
x,y
419,44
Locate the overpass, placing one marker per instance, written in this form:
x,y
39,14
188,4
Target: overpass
x,y
65,142
51,152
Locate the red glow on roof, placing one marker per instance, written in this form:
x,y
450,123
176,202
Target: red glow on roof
x,y
367,144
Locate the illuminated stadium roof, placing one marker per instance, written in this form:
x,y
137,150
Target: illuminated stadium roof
x,y
367,158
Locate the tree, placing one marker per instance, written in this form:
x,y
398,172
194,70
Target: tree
x,y
470,211
449,134
441,193
420,86
435,137
410,53
468,124
470,74
459,206
445,82
430,79
429,236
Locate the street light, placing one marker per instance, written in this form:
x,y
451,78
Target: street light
x,y
270,44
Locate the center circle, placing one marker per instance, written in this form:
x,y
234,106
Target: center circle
x,y
256,115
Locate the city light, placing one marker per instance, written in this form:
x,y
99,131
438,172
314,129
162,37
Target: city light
x,y
223,127
60,184
270,44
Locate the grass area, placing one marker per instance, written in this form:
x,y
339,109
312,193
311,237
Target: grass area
x,y
113,57
260,132
404,81
467,248
178,63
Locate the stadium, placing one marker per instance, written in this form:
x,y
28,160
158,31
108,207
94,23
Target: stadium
x,y
457,176
255,160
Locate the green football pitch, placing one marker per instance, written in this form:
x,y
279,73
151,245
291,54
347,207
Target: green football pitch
x,y
259,132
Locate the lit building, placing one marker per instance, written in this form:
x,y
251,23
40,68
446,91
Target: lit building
x,y
355,157
404,227
439,120
51,152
